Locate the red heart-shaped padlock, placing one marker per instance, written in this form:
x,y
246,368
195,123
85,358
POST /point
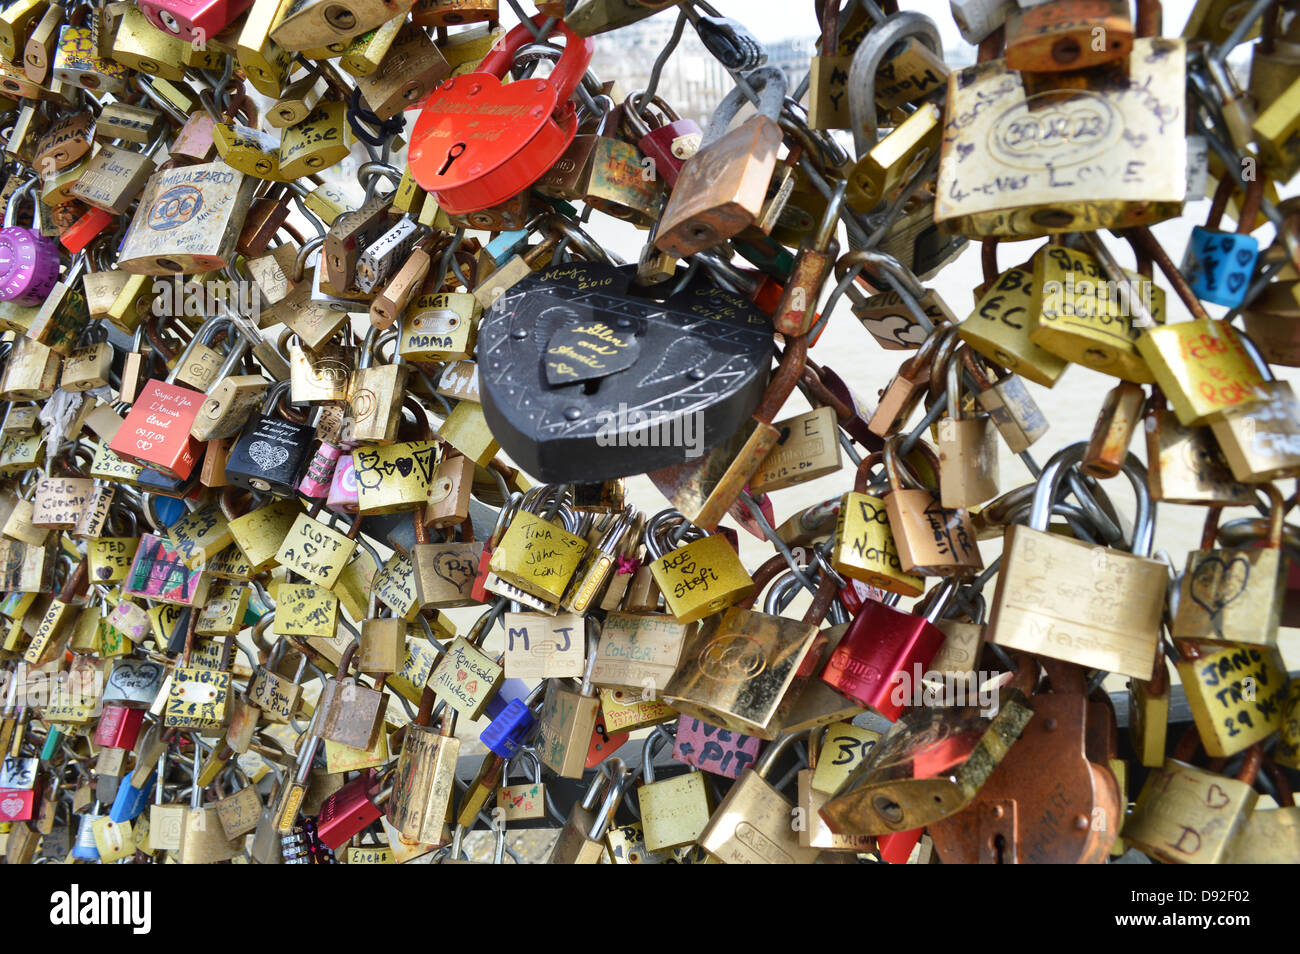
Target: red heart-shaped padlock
x,y
478,141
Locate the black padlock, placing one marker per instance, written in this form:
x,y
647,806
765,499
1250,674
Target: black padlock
x,y
271,452
584,379
731,43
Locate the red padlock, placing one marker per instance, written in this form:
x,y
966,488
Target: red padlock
x,y
669,145
347,812
118,727
520,129
18,804
882,646
156,431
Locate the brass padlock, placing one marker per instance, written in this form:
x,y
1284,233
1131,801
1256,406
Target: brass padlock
x,y
1115,598
701,576
751,825
932,540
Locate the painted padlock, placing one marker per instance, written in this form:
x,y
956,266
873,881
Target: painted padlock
x,y
584,380
520,129
29,262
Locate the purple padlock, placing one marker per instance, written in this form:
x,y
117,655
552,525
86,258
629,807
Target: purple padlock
x,y
29,262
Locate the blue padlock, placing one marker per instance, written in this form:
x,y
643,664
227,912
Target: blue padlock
x,y
1218,264
85,849
130,801
511,723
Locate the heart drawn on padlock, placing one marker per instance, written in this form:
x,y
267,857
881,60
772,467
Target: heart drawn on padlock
x,y
1244,257
453,569
1235,281
267,456
11,806
1216,582
1215,803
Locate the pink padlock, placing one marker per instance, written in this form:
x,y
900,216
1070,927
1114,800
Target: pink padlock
x,y
317,480
192,20
29,262
343,487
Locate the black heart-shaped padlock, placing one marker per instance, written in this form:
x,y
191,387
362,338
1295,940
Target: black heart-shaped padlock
x,y
584,379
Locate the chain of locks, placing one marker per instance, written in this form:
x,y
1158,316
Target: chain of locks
x,y
331,414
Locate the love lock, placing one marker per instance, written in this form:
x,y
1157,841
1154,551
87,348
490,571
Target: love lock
x,y
583,380
519,129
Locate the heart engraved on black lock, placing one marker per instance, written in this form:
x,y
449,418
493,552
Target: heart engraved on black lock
x,y
583,380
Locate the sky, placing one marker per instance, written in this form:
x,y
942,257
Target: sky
x,y
771,20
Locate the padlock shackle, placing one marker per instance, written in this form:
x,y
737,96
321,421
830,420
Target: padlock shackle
x,y
568,71
1049,485
866,61
862,477
788,375
771,85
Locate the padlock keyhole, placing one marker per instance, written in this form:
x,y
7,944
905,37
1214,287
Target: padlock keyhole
x,y
454,153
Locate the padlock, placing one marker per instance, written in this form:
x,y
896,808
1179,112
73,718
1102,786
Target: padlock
x,y
884,651
865,548
1208,810
751,824
1236,693
581,840
744,670
271,453
1061,36
932,540
1009,821
1000,328
1050,202
698,577
673,811
968,450
1234,595
1116,598
1095,319
194,22
669,144
439,142
1203,368
537,555
1186,463
314,25
351,714
168,234
1218,264
624,358
569,717
32,260
721,189
1015,413
1113,432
